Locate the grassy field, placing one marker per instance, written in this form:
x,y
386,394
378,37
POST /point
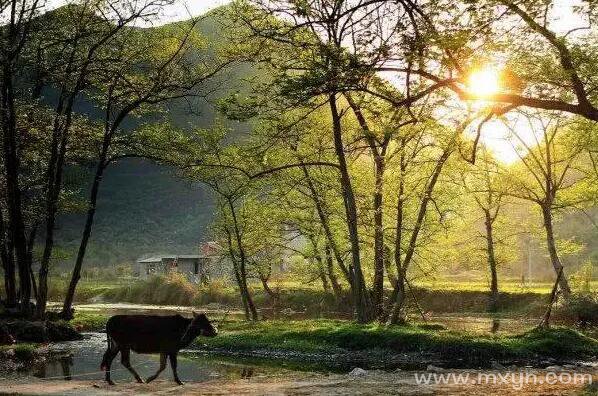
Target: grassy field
x,y
314,302
342,338
87,289
131,287
512,286
435,297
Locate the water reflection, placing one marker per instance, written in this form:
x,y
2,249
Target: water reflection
x,y
66,362
61,366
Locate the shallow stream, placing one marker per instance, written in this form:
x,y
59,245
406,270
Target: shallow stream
x,y
80,360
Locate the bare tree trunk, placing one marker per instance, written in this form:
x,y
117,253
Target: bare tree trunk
x,y
360,294
237,272
8,265
54,186
264,279
323,216
392,278
378,286
248,296
336,287
551,243
242,262
322,274
239,283
324,280
378,154
319,262
493,306
545,322
398,296
30,246
399,290
67,310
16,223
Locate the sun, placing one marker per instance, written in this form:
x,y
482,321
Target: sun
x,y
484,82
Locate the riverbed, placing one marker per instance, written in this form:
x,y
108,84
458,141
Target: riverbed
x,y
74,370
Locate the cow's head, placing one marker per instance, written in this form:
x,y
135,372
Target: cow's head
x,y
200,326
201,322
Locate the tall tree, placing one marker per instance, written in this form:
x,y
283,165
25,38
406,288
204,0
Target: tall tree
x,y
147,69
414,148
69,49
13,38
548,167
333,63
482,183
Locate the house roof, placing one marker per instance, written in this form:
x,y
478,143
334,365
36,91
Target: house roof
x,y
157,259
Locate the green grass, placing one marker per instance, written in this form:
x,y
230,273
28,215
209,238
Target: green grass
x,y
86,289
441,296
510,286
335,336
86,321
22,351
174,290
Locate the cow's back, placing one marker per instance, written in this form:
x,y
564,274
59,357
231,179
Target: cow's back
x,y
147,333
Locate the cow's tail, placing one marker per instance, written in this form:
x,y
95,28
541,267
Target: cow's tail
x,y
104,364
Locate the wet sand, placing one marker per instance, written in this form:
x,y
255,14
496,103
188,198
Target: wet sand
x,y
370,383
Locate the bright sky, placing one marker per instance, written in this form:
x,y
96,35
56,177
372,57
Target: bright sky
x,y
186,8
495,135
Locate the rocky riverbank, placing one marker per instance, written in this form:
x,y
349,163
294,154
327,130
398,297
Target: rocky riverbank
x,y
19,331
24,343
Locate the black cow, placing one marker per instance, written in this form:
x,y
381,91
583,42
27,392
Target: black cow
x,y
165,335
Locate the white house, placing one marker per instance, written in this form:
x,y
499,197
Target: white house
x,y
199,268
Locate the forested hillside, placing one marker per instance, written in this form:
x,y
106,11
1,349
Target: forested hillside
x,y
144,208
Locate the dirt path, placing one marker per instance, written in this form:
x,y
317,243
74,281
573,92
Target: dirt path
x,y
370,383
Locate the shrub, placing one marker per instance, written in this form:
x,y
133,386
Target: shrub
x,y
582,279
86,321
217,291
581,309
25,351
171,289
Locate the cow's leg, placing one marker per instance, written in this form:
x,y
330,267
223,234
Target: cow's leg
x,y
109,356
125,355
162,367
173,366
